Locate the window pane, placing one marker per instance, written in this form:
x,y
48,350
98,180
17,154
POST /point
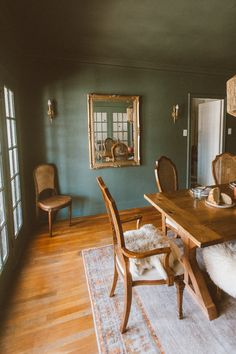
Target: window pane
x,y
11,99
13,192
11,163
19,212
6,101
1,179
2,212
13,129
104,116
16,164
9,133
15,222
17,186
4,244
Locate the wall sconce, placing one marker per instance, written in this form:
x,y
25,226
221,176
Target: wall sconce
x,y
175,112
51,110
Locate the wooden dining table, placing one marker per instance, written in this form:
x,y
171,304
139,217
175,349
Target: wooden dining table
x,y
199,225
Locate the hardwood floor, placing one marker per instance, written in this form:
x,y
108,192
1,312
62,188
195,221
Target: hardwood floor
x,y
48,309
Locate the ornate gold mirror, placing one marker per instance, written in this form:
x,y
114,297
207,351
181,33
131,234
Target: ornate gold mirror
x,y
113,130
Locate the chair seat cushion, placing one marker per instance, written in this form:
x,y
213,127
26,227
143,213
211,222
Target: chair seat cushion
x,y
148,238
54,202
220,261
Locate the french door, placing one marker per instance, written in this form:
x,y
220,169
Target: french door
x,y
11,219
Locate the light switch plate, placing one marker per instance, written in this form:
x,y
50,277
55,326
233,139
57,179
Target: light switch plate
x,y
185,132
229,131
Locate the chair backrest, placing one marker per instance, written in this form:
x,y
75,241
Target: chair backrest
x,y
113,214
45,179
108,143
224,168
166,175
119,151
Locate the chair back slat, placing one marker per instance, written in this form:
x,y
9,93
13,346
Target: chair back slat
x,y
166,175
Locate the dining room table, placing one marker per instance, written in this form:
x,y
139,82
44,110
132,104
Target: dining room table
x,y
199,224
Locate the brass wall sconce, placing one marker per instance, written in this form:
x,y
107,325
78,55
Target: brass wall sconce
x,y
175,112
51,110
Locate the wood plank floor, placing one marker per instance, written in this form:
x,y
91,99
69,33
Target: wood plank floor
x,y
48,310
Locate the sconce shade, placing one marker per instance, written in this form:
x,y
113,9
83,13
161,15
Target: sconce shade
x,y
231,96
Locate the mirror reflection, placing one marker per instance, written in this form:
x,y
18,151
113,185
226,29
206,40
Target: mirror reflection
x,y
114,131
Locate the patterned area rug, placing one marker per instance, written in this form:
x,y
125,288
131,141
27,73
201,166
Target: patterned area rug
x,y
153,325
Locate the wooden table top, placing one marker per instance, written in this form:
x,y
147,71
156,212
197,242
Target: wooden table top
x,y
204,225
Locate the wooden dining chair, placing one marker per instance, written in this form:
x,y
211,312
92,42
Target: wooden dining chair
x,y
224,168
119,151
108,143
166,175
123,257
167,181
47,197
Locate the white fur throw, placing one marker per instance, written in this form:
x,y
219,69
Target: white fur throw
x,y
220,261
147,238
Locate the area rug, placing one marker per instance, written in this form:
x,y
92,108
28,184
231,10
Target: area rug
x,y
153,325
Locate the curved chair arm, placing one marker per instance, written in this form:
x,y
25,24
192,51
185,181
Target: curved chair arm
x,y
137,217
163,250
139,255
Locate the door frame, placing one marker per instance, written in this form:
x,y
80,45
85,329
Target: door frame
x,y
192,96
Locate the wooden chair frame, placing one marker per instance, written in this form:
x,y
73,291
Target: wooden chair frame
x,y
114,155
159,162
224,156
53,202
122,256
161,188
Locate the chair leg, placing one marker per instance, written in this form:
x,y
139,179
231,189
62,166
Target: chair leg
x,y
128,301
50,223
70,213
180,285
114,282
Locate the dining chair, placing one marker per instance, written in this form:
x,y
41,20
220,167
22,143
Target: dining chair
x,y
224,168
119,151
47,197
108,143
167,181
123,257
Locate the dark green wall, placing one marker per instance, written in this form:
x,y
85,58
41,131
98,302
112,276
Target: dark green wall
x,y
65,141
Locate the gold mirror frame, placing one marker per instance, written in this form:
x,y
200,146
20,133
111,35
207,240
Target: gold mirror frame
x,y
113,130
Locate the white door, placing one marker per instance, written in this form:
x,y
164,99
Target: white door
x,y
210,138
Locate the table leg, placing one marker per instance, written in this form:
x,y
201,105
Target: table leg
x,y
195,282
